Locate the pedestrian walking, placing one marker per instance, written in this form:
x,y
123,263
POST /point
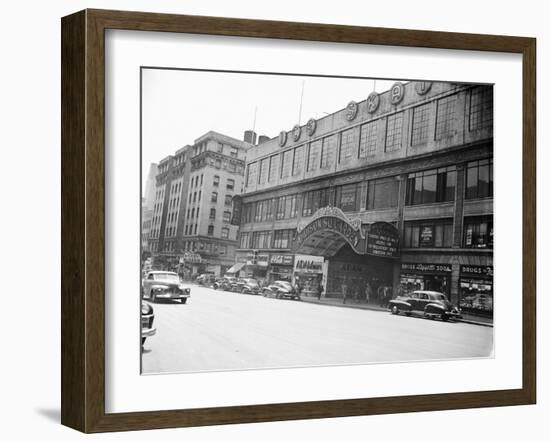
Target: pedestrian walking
x,y
368,293
320,289
344,292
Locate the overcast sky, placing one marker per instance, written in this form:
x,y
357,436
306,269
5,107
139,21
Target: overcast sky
x,y
180,106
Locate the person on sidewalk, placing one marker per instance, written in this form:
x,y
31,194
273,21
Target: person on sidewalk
x,y
320,289
344,291
368,293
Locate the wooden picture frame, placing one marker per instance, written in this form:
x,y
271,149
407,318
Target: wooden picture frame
x,y
83,220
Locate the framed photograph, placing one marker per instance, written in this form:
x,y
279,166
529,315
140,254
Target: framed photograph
x,y
268,221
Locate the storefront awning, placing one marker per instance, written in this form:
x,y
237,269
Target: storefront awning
x,y
236,267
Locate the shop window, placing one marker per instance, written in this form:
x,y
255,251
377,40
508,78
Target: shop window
x,y
481,108
428,234
420,124
479,179
431,186
478,232
382,193
394,132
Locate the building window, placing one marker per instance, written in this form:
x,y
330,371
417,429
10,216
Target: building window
x,y
228,200
225,232
223,249
282,239
214,197
201,178
445,117
420,124
347,197
298,160
394,130
382,193
233,152
210,230
286,167
226,216
428,234
244,240
481,108
230,184
216,181
431,186
264,169
327,149
348,146
367,143
194,196
479,179
261,240
193,212
217,163
251,174
286,207
220,147
313,157
314,200
273,165
212,213
478,232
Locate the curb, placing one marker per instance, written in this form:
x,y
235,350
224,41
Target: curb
x,y
375,309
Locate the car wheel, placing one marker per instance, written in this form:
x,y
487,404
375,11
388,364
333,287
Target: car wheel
x,y
408,313
394,310
183,300
444,317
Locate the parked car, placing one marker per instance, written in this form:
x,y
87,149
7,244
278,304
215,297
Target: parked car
x,y
147,318
281,289
247,285
226,283
205,278
159,285
427,303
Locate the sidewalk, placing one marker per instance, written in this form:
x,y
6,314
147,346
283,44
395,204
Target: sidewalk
x,y
350,303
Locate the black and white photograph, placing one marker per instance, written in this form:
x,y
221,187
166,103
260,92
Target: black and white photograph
x,y
304,221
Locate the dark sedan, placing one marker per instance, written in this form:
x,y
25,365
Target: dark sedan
x,y
281,289
426,303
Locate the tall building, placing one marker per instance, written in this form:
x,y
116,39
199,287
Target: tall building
x,y
395,190
147,203
216,176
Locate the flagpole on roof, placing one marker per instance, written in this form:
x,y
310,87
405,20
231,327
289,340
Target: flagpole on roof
x,y
301,101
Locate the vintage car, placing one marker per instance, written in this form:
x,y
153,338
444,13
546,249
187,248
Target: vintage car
x,y
281,289
159,285
427,303
205,279
147,318
226,283
247,285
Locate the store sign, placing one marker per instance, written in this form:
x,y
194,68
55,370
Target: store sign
x,y
426,268
472,271
308,264
262,260
237,203
286,260
191,258
383,240
426,236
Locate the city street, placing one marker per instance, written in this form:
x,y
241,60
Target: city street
x,y
229,331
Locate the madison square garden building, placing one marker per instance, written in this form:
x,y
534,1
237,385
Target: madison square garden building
x,y
395,191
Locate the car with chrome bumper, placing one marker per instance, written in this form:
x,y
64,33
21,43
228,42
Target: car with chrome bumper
x,y
427,303
147,319
163,285
247,286
281,290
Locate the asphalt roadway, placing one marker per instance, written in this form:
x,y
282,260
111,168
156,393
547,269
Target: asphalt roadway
x,y
219,330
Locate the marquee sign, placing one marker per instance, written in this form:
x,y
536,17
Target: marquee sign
x,y
382,240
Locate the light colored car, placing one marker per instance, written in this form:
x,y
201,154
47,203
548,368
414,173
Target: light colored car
x,y
281,289
159,285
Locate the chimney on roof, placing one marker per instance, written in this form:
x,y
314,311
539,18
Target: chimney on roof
x,y
263,139
250,136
